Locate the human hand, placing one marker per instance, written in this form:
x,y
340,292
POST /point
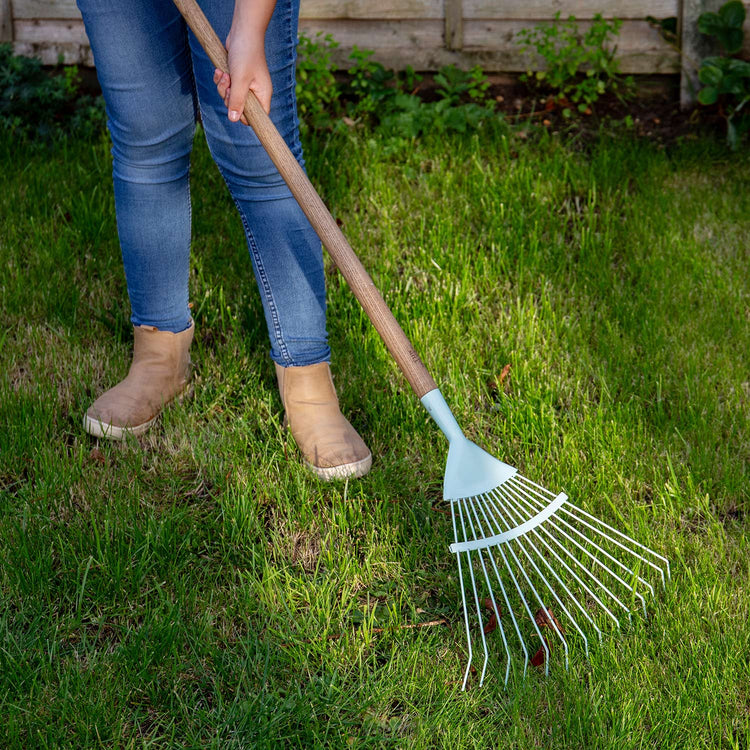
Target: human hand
x,y
248,69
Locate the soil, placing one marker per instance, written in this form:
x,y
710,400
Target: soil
x,y
654,109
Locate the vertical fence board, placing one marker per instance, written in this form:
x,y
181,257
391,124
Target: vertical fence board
x,y
6,21
454,24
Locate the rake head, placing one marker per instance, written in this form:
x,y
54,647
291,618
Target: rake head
x,y
533,566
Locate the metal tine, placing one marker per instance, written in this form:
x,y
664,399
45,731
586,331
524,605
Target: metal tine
x,y
508,607
564,642
463,593
609,528
624,536
476,600
599,532
628,586
577,578
589,573
508,567
470,501
519,518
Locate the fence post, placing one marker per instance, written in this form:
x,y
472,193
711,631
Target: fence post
x,y
6,21
694,45
454,24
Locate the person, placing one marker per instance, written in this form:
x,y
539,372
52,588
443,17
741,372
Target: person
x,y
156,79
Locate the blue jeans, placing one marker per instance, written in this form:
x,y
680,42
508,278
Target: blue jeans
x,y
155,78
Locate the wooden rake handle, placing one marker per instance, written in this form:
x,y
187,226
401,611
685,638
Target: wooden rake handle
x,y
324,224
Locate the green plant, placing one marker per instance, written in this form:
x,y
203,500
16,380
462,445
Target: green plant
x,y
317,90
580,67
455,85
371,85
409,117
726,26
40,105
726,79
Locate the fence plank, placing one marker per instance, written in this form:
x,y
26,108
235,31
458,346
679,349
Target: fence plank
x,y
53,30
29,9
366,9
354,9
491,44
6,21
539,10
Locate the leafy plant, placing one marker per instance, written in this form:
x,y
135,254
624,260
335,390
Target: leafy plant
x,y
37,104
726,79
455,84
371,84
580,67
726,26
410,117
316,88
383,98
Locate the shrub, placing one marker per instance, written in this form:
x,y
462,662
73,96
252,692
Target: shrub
x,y
37,104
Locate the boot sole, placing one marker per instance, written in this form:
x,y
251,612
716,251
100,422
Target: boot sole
x,y
345,471
112,431
100,429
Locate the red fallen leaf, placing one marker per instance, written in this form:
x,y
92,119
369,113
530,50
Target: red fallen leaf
x,y
504,374
545,619
550,104
538,659
492,622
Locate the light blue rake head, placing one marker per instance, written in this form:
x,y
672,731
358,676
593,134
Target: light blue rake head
x,y
529,552
470,471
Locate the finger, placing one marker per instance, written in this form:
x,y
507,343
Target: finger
x,y
222,85
236,95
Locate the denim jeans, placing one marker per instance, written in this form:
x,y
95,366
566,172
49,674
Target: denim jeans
x,y
155,78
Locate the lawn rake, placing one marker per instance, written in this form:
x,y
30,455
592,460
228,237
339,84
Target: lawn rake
x,y
518,546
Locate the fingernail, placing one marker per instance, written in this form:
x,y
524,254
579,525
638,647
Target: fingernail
x,y
234,115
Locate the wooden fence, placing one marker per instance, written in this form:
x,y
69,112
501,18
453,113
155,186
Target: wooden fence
x,y
425,34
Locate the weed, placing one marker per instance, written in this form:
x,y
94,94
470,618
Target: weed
x,y
316,89
463,106
371,86
456,85
580,67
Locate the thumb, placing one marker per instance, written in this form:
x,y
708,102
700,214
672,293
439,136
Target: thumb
x,y
237,94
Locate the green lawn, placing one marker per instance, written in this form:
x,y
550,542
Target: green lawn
x,y
198,589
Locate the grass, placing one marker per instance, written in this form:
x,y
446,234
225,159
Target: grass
x,y
198,589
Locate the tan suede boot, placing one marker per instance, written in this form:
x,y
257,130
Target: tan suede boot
x,y
331,447
160,371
